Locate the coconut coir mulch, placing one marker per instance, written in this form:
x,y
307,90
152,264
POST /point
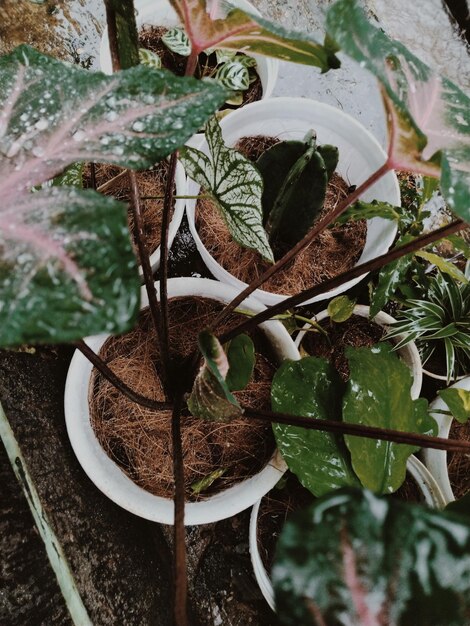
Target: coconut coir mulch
x,y
152,183
334,251
139,439
150,37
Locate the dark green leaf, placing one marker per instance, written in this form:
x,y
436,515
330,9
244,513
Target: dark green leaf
x,y
341,308
353,559
460,506
458,402
67,269
311,388
210,397
428,116
236,186
445,266
71,177
330,155
459,244
378,394
367,210
241,360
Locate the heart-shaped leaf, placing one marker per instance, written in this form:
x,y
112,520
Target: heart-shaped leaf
x,y
378,394
354,559
237,30
66,264
210,397
428,116
458,403
241,359
311,388
236,186
341,308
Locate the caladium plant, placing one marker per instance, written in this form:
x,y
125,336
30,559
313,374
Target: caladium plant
x,y
354,559
428,116
218,24
66,263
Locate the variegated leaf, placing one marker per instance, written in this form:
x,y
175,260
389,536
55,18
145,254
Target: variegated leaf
x,y
177,41
223,56
428,116
228,27
149,58
234,76
210,398
75,273
458,403
236,186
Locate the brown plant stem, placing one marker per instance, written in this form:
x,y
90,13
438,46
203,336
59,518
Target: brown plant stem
x,y
310,236
164,314
191,63
179,532
336,281
120,385
93,175
358,430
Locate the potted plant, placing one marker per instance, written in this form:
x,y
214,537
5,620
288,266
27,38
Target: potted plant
x,y
149,15
450,410
359,155
112,479
68,268
418,475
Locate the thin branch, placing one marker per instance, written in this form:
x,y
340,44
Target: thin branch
x,y
180,569
358,430
120,385
164,321
336,281
110,183
318,228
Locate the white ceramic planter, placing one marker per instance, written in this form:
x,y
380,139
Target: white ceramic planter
x,y
409,354
427,484
113,482
161,13
436,460
359,156
178,212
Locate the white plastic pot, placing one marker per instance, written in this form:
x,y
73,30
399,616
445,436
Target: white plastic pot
x,y
436,460
178,212
427,484
408,354
359,156
161,13
113,482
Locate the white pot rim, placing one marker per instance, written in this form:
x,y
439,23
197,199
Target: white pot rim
x,y
150,11
298,115
436,460
113,482
433,497
409,353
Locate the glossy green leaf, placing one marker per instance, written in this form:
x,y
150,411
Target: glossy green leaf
x,y
204,483
235,185
367,210
224,56
233,75
210,398
378,394
341,308
390,277
150,59
311,387
428,116
176,40
459,244
458,402
214,26
354,559
67,268
445,266
241,359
